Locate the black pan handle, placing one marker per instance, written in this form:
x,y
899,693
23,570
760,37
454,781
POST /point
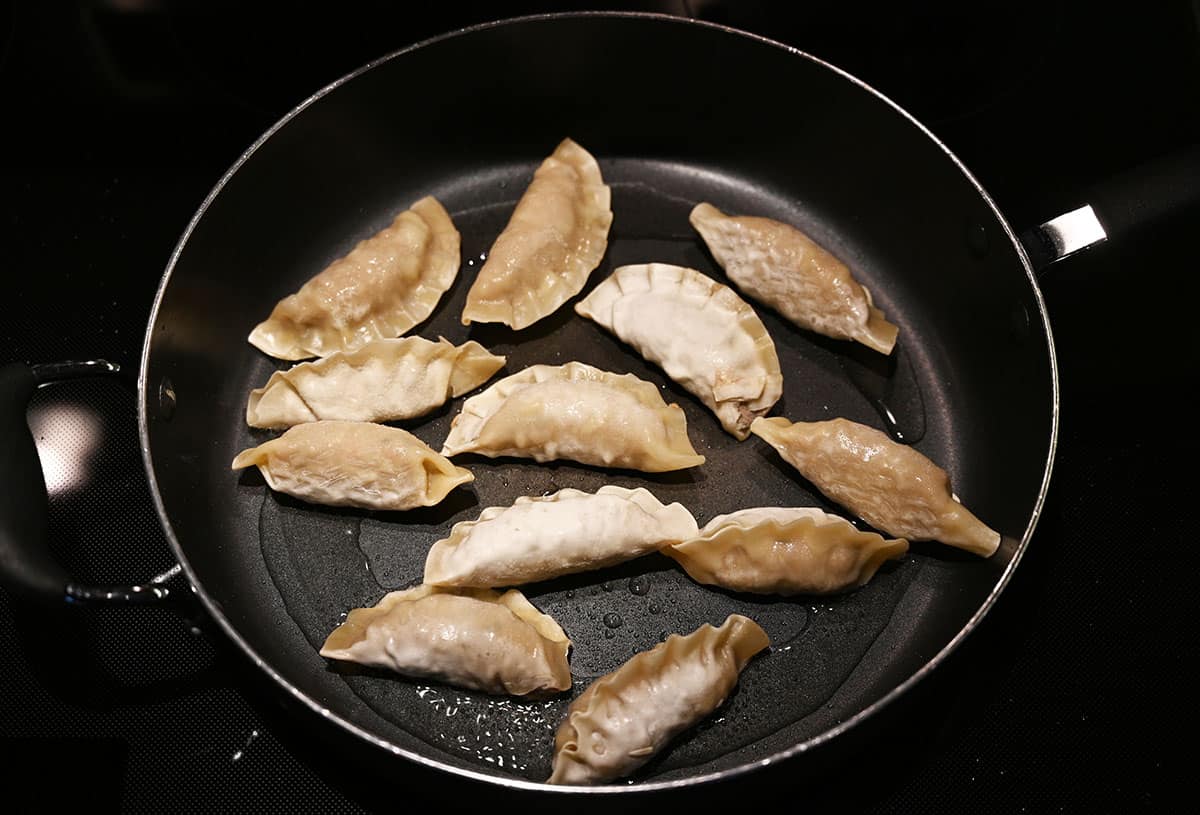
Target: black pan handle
x,y
1119,208
26,567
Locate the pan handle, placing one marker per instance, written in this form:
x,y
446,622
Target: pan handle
x,y
1120,207
26,567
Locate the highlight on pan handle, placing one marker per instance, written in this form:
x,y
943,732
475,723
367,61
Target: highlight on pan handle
x,y
1119,207
26,567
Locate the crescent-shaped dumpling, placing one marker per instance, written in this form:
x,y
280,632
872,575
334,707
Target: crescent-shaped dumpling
x,y
779,265
354,464
539,538
386,285
576,412
890,486
700,332
472,638
784,550
556,236
626,717
384,380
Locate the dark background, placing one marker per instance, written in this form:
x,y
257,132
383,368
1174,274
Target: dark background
x,y
118,117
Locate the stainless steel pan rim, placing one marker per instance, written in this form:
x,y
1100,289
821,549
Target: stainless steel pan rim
x,y
145,395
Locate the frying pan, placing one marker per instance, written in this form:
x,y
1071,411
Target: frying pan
x,y
676,112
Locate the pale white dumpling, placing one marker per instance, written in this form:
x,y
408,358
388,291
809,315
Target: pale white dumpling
x,y
354,464
576,412
539,538
891,486
701,333
386,285
783,550
626,717
382,381
779,265
556,236
472,638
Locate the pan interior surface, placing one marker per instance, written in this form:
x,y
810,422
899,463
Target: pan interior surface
x,y
970,383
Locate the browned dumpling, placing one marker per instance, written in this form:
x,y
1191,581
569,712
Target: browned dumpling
x,y
556,236
779,265
472,638
890,486
784,550
382,381
386,285
576,412
624,718
355,464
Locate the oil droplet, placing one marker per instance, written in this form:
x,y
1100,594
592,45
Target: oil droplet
x,y
571,594
608,635
655,608
237,755
613,620
606,585
891,387
639,585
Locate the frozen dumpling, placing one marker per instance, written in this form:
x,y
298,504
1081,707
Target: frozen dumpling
x,y
384,380
576,412
700,332
889,485
354,464
783,550
385,286
779,265
539,538
472,638
626,717
556,236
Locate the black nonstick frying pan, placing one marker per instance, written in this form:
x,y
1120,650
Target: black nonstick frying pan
x,y
676,112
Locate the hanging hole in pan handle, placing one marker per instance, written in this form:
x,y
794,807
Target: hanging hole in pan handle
x,y
1119,208
27,568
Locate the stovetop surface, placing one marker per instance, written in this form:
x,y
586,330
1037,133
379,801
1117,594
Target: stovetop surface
x,y
120,116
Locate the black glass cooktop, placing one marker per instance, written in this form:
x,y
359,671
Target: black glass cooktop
x,y
119,116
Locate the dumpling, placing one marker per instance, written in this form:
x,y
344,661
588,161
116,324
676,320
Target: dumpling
x,y
701,333
577,412
354,464
384,380
556,236
890,486
779,265
541,538
472,638
385,286
780,550
624,718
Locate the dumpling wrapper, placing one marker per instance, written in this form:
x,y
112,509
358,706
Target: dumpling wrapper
x,y
472,638
782,550
384,380
781,266
355,464
890,486
626,717
576,412
386,285
539,538
556,236
700,332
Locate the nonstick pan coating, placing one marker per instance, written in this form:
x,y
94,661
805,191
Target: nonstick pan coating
x,y
676,113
